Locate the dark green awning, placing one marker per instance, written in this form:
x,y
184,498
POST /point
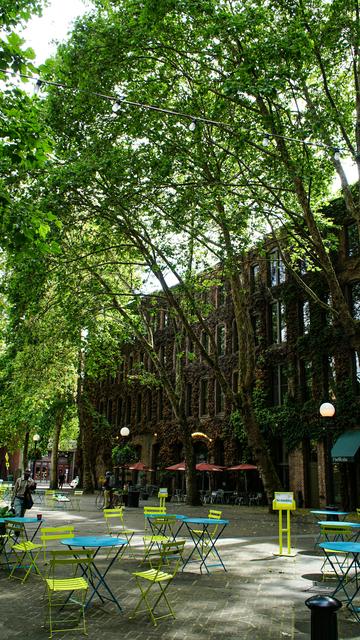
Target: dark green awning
x,y
346,447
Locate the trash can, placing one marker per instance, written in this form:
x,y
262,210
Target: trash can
x,y
133,498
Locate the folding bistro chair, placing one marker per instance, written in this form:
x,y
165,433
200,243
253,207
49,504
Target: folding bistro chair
x,y
333,533
154,582
154,531
52,534
67,595
23,553
49,498
75,499
115,518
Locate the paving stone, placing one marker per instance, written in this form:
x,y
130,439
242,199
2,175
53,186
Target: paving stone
x,y
260,597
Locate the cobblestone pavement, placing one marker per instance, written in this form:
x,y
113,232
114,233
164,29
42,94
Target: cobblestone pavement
x,y
259,597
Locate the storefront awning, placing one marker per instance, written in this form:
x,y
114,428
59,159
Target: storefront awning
x,y
346,447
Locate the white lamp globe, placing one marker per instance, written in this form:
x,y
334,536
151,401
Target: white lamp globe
x,y
327,410
36,437
124,431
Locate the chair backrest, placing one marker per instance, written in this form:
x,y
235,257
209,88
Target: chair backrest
x,y
114,516
74,558
214,514
15,531
52,534
171,556
164,524
334,532
358,513
152,510
78,492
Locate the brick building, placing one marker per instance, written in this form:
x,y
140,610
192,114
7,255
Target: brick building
x,y
302,360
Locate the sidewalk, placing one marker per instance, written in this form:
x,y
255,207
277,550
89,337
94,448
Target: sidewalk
x,y
260,597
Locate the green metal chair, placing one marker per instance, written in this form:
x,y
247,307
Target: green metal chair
x,y
67,594
154,582
22,553
115,525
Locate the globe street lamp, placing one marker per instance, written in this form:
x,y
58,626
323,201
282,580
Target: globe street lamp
x,y
124,431
327,411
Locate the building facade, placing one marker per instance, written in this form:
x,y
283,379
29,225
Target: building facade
x,y
302,360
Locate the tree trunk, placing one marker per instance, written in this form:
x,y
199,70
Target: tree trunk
x,y
26,450
55,447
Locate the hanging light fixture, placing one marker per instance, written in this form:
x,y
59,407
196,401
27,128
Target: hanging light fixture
x,y
117,104
336,153
192,125
37,87
266,140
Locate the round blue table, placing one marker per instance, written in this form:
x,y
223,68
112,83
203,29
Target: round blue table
x,y
97,543
348,575
208,531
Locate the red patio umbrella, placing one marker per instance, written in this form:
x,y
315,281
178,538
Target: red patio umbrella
x,y
205,466
138,466
179,466
243,467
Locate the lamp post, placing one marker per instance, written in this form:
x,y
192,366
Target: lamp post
x,y
327,411
36,440
124,432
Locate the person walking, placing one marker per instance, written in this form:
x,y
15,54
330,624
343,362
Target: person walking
x,y
26,483
107,488
61,479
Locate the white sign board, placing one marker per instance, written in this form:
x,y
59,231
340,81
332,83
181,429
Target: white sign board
x,y
163,492
283,497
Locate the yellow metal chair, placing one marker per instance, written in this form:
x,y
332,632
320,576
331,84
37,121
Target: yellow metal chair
x,y
52,534
49,497
171,554
23,553
115,525
213,514
152,540
358,513
67,595
334,533
76,499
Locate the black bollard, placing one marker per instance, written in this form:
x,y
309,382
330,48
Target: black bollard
x,y
323,617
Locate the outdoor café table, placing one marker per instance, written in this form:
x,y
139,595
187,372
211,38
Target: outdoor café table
x,y
353,527
205,542
97,581
331,515
160,529
346,581
25,521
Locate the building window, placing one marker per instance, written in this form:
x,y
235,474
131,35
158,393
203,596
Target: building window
x,y
234,337
220,296
255,321
276,268
219,398
331,378
277,319
188,399
279,384
128,410
306,378
352,240
149,406
356,372
355,300
305,317
235,381
109,411
220,339
190,355
138,407
254,276
160,405
119,410
205,341
204,397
